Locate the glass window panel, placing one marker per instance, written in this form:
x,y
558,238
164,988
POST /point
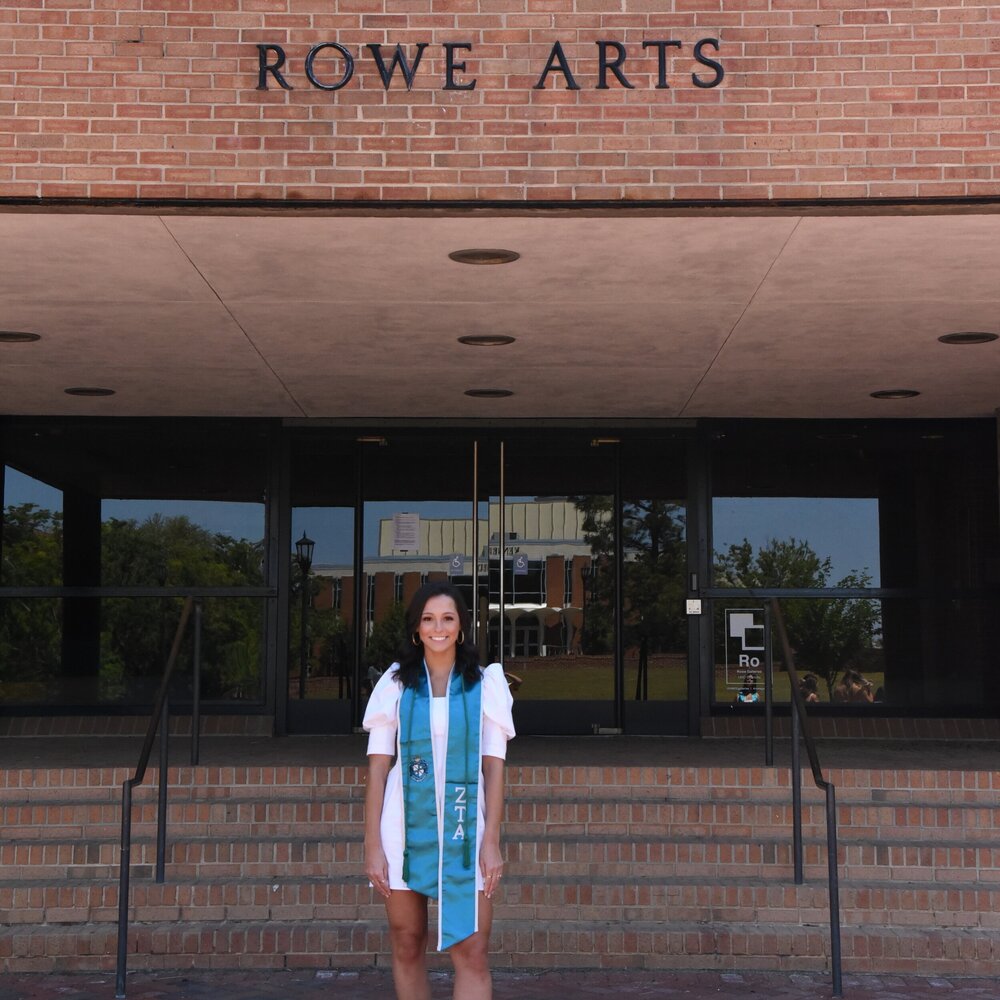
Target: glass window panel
x,y
894,653
837,644
140,503
181,543
796,542
655,588
32,532
559,590
31,629
137,634
559,513
320,634
321,618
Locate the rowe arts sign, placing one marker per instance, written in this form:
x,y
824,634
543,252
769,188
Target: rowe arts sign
x,y
609,61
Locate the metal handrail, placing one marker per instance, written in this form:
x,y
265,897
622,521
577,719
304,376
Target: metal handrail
x,y
801,731
160,718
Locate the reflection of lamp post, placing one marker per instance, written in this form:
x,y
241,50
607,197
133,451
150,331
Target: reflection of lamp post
x,y
304,557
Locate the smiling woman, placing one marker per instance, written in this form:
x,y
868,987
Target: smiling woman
x,y
436,714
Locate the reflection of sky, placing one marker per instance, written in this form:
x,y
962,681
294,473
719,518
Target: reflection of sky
x,y
332,528
238,520
846,530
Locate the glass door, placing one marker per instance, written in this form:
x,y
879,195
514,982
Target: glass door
x,y
569,550
551,583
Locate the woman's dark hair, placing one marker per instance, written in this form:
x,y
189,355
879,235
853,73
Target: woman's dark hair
x,y
411,657
810,683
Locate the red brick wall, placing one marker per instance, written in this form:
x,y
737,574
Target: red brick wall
x,y
822,99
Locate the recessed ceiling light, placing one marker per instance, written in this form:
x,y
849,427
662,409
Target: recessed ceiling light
x,y
17,337
969,337
88,390
487,340
895,394
489,393
477,255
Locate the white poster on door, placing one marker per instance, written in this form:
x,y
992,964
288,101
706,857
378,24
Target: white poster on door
x,y
406,532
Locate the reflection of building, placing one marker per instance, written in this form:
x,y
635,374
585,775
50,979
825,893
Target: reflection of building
x,y
546,559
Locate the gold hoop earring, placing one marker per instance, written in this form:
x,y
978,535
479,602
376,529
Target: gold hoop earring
x,y
461,637
415,639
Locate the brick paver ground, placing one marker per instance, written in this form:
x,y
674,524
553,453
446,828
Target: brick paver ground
x,y
373,985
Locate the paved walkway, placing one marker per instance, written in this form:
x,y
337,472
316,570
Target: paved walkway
x,y
371,985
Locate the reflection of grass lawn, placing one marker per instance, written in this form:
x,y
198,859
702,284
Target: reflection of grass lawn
x,y
591,678
782,686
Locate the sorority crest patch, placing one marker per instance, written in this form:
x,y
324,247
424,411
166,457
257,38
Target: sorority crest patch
x,y
418,769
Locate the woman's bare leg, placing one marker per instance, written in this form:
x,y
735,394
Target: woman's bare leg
x,y
472,958
407,912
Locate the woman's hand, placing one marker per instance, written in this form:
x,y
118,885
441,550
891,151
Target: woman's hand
x,y
377,869
491,863
376,866
490,858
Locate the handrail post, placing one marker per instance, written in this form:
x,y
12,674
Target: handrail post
x,y
123,876
768,692
800,721
161,808
196,693
796,798
161,715
831,860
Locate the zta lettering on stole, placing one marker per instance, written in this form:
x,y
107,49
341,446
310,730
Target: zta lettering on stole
x,y
459,809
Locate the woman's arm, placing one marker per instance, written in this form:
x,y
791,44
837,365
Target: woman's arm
x,y
490,858
376,867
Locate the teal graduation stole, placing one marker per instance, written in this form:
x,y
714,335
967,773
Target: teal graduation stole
x,y
439,847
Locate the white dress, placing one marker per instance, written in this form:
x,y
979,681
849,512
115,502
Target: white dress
x,y
382,722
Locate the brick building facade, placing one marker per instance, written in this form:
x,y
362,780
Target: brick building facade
x,y
709,101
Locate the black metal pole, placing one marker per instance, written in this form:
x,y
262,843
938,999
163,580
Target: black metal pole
x,y
831,861
303,640
196,683
619,515
360,595
161,809
768,691
124,862
502,555
796,799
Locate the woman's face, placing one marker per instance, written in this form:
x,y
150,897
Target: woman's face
x,y
439,625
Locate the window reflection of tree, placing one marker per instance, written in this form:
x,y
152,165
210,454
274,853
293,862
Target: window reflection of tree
x,y
828,635
655,559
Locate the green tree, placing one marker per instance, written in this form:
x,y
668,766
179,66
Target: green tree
x,y
386,638
175,552
653,539
31,628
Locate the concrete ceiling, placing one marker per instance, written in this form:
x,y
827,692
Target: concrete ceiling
x,y
615,315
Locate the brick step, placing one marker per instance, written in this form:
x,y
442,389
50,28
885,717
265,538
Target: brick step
x,y
250,818
203,811
925,904
557,782
517,943
543,856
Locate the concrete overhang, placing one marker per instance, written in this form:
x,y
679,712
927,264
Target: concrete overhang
x,y
616,315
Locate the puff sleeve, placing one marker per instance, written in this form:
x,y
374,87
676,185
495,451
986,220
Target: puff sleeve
x,y
498,723
382,713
